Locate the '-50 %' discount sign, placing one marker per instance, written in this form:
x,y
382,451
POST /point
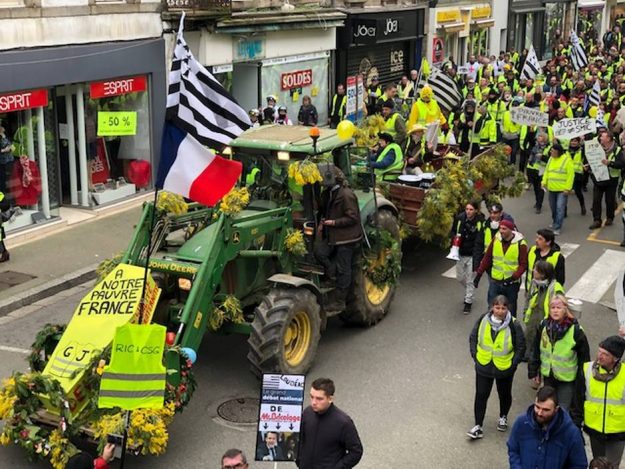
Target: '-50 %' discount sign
x,y
113,302
117,123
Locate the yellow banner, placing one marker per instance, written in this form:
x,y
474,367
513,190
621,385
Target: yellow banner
x,y
448,16
114,124
113,302
481,12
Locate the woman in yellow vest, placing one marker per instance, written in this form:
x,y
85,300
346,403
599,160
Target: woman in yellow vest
x,y
560,350
497,347
543,287
599,400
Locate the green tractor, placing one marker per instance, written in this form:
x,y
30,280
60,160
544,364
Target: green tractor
x,y
244,254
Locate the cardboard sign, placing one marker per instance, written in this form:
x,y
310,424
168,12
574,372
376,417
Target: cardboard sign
x,y
23,100
115,124
575,127
104,89
529,116
113,302
594,154
280,417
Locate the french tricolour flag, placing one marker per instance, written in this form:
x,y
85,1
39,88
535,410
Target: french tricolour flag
x,y
201,115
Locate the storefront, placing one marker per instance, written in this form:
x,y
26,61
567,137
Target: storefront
x,y
83,124
525,25
481,24
387,44
591,19
558,19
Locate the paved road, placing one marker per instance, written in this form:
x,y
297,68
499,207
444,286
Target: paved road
x,y
408,382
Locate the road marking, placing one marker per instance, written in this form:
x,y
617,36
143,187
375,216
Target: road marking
x,y
6,348
566,249
593,236
598,279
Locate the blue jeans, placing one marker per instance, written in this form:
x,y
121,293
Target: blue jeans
x,y
510,291
557,202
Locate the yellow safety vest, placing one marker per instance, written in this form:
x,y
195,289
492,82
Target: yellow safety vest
x,y
531,260
135,378
496,110
509,127
559,358
397,165
557,175
341,112
614,172
488,236
553,289
250,179
578,164
389,125
500,351
604,407
504,265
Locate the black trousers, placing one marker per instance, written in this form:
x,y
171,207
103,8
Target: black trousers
x,y
608,189
483,387
338,260
535,179
524,155
578,184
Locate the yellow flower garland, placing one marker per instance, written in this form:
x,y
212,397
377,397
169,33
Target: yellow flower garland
x,y
304,172
234,201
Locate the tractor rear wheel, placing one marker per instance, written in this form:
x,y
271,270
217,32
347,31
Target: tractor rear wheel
x,y
367,303
285,332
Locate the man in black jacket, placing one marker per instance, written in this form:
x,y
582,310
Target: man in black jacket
x,y
328,438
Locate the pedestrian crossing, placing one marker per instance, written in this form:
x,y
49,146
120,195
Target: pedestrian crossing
x,y
596,280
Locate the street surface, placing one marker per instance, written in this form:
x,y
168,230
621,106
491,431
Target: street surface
x,y
408,382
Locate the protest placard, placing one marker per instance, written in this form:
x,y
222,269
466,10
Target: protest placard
x,y
594,154
529,116
576,127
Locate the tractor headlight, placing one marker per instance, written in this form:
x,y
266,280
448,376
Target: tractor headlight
x,y
284,156
184,284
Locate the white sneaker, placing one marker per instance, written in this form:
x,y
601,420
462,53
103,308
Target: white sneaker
x,y
475,433
502,425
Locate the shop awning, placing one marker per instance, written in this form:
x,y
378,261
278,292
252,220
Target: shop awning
x,y
452,27
590,4
278,22
483,24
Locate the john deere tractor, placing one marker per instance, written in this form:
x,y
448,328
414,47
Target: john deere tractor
x,y
244,254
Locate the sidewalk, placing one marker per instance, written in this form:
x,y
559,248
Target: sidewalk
x,y
48,263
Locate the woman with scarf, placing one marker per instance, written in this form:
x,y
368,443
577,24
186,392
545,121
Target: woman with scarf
x,y
560,350
542,289
497,347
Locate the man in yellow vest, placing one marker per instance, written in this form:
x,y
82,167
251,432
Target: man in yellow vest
x,y
600,401
491,225
388,160
497,346
615,161
425,110
580,166
337,107
506,261
511,131
394,123
558,181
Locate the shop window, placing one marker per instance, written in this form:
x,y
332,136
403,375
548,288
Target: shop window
x,y
28,176
554,21
589,23
478,44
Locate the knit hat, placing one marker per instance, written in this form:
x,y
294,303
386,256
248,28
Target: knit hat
x,y
389,104
615,345
507,223
388,138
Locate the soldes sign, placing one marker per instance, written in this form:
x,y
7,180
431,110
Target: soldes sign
x,y
296,79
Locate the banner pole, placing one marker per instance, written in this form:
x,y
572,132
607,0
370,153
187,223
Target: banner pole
x,y
147,257
124,440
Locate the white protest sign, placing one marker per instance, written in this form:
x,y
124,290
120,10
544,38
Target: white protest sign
x,y
529,116
594,154
463,69
280,415
576,127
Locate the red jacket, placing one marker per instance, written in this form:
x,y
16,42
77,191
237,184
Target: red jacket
x,y
100,463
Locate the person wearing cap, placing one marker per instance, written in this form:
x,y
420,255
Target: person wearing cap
x,y
491,227
599,400
417,150
270,112
283,119
559,351
558,181
388,159
505,259
425,110
510,130
394,124
254,117
338,104
374,87
471,88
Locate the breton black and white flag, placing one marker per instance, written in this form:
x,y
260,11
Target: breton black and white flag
x,y
445,90
578,54
531,68
594,98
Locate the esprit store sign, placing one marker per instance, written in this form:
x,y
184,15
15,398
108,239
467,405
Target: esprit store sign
x,y
104,89
23,100
296,79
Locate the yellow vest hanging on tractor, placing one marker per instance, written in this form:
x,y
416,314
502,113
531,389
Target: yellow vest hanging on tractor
x,y
135,379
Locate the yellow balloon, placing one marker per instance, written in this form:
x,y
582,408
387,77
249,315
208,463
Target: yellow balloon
x,y
345,129
592,112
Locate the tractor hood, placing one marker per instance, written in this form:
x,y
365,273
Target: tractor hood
x,y
291,138
200,245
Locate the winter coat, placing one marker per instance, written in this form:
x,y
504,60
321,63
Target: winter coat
x,y
308,115
472,236
559,446
490,370
340,204
328,441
